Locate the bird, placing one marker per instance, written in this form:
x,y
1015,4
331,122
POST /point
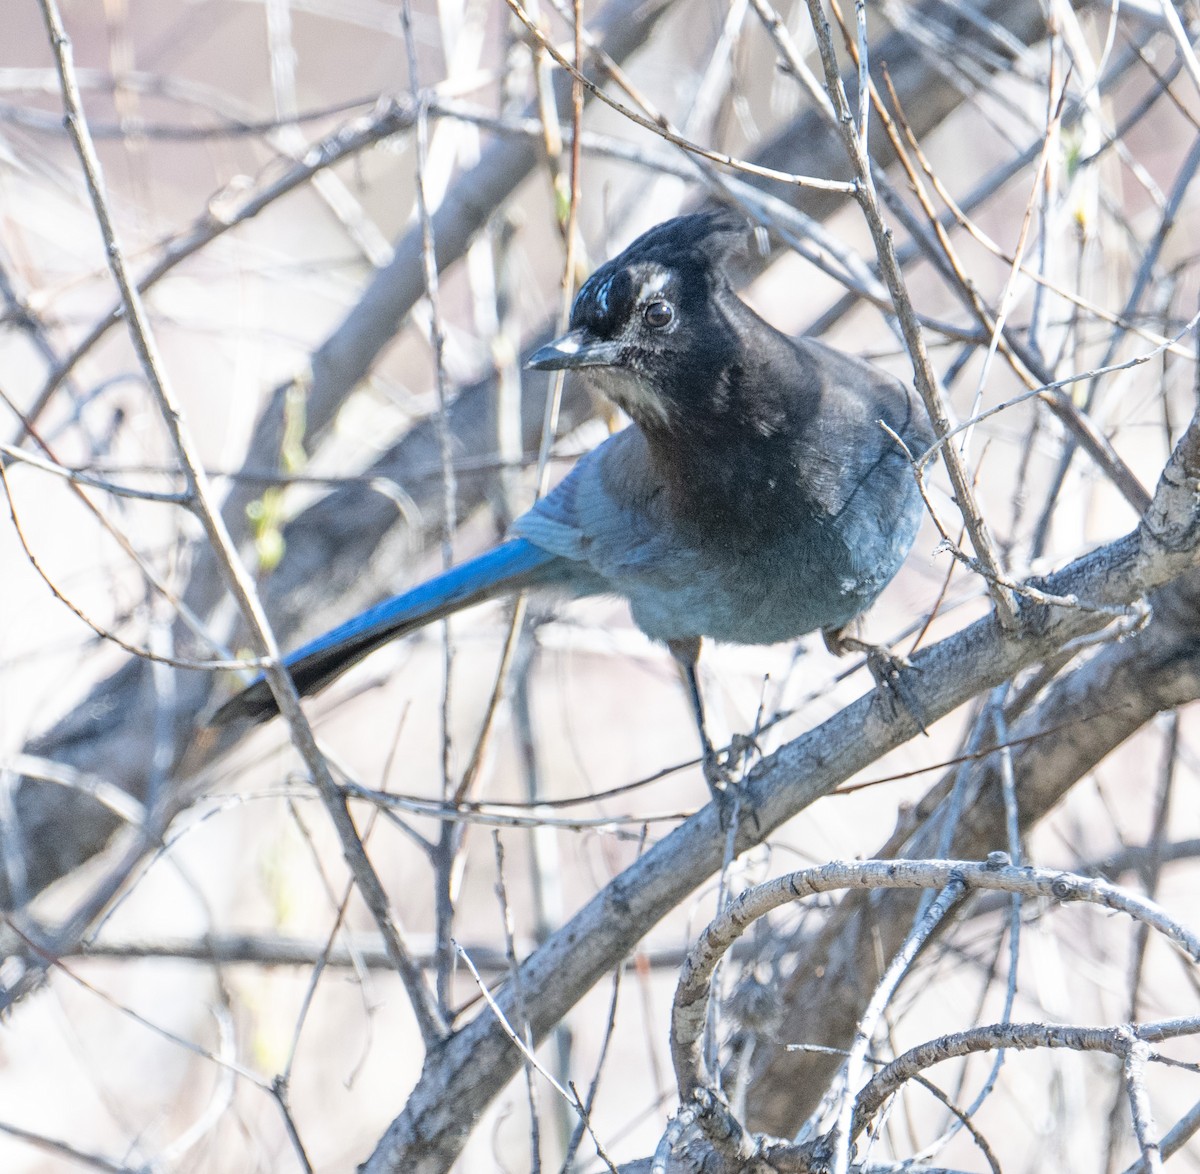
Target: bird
x,y
762,490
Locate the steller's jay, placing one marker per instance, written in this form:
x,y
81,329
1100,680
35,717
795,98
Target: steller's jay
x,y
756,496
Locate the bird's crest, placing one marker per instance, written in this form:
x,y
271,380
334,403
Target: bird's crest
x,y
714,236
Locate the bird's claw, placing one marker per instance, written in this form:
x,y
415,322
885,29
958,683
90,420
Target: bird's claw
x,y
741,747
717,774
887,668
725,768
724,771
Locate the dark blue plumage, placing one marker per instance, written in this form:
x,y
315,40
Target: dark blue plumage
x,y
756,496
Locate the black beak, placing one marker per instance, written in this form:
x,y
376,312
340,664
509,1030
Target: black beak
x,y
576,348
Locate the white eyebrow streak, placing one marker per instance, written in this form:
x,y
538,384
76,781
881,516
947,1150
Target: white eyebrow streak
x,y
651,286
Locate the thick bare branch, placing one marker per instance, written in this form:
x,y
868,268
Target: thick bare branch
x,y
427,1135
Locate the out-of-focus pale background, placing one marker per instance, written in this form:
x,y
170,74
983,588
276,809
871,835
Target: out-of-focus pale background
x,y
166,1062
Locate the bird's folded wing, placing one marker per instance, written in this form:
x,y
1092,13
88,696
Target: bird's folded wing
x,y
609,513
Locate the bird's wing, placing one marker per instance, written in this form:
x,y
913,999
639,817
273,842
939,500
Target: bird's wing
x,y
510,567
846,447
609,515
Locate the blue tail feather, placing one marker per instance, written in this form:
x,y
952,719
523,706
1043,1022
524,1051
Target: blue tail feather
x,y
504,570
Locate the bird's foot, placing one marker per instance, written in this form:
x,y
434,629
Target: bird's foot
x,y
893,682
724,771
888,670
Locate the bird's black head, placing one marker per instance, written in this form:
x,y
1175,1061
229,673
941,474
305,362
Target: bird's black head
x,y
650,325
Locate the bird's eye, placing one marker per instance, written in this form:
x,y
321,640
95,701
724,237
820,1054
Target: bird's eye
x,y
658,314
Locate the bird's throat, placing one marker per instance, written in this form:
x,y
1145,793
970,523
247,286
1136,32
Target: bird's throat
x,y
634,396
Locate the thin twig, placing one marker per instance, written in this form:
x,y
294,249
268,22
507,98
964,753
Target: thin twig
x,y
926,383
571,1097
841,1138
238,582
742,165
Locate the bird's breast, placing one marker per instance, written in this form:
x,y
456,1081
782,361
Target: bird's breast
x,y
794,571
743,595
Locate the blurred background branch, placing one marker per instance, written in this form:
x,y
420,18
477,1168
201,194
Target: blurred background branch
x,y
261,164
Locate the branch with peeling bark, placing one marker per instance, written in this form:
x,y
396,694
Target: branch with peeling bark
x,y
479,1058
728,1137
